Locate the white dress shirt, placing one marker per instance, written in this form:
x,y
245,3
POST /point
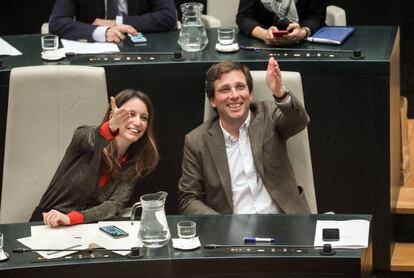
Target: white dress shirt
x,y
99,34
249,194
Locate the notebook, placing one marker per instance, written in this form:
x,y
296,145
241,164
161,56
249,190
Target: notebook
x,y
331,35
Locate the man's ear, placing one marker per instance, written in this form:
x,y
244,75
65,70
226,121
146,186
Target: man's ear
x,y
212,102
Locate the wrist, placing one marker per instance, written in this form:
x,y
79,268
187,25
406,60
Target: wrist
x,y
307,32
284,93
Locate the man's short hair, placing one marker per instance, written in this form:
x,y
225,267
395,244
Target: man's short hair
x,y
217,70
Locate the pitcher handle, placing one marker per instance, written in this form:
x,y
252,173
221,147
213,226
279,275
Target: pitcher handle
x,y
134,208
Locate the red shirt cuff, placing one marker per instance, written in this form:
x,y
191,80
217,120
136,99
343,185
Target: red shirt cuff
x,y
106,132
75,217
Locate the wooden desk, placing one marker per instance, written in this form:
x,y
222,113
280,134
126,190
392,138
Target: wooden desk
x,y
353,105
226,229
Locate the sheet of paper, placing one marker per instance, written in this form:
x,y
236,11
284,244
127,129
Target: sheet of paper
x,y
106,241
89,47
353,234
60,240
82,236
83,232
7,49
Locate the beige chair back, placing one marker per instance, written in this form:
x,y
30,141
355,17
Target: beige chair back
x,y
46,104
297,146
335,16
223,10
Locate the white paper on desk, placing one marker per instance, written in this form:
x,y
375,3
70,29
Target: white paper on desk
x,y
7,49
83,232
89,47
353,234
60,240
101,239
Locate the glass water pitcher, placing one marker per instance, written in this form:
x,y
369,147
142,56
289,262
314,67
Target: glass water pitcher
x,y
193,36
153,230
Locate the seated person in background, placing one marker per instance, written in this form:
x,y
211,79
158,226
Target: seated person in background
x,y
258,18
110,20
97,175
237,162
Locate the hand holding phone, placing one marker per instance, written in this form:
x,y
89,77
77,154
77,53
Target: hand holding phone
x,y
113,231
280,33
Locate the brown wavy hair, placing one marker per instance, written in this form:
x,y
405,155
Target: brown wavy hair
x,y
143,153
217,70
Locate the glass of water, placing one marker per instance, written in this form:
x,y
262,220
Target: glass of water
x,y
50,45
186,229
225,36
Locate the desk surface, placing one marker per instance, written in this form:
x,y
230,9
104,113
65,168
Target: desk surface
x,y
363,39
226,229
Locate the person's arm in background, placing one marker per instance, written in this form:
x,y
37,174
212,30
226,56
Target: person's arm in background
x,y
62,22
312,15
249,14
161,17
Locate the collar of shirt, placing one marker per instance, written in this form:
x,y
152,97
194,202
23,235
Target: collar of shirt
x,y
228,139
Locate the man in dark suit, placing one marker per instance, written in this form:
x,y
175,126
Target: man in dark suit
x,y
105,20
237,162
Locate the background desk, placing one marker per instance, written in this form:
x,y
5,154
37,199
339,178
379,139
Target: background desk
x,y
227,229
353,105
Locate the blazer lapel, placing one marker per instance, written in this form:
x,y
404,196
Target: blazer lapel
x,y
256,141
217,148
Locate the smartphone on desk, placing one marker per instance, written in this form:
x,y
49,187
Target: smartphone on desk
x,y
113,231
138,38
280,33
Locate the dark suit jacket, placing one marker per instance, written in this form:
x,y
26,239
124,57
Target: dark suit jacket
x,y
252,13
72,19
205,184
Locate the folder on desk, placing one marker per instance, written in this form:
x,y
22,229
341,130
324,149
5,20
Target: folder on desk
x,y
331,35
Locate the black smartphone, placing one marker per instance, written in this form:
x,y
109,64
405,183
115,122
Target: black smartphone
x,y
331,234
113,231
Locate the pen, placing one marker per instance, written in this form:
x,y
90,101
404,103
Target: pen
x,y
251,239
64,249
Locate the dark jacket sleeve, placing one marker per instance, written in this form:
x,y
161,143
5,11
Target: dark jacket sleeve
x,y
67,22
312,14
160,17
250,14
72,19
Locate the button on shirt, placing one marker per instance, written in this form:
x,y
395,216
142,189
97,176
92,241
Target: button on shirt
x,y
249,194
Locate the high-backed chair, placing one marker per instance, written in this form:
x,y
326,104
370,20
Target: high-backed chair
x,y
335,16
46,104
298,145
223,13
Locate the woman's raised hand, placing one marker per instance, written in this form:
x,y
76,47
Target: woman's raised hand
x,y
118,116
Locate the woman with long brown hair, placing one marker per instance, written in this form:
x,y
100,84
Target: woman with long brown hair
x,y
99,170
